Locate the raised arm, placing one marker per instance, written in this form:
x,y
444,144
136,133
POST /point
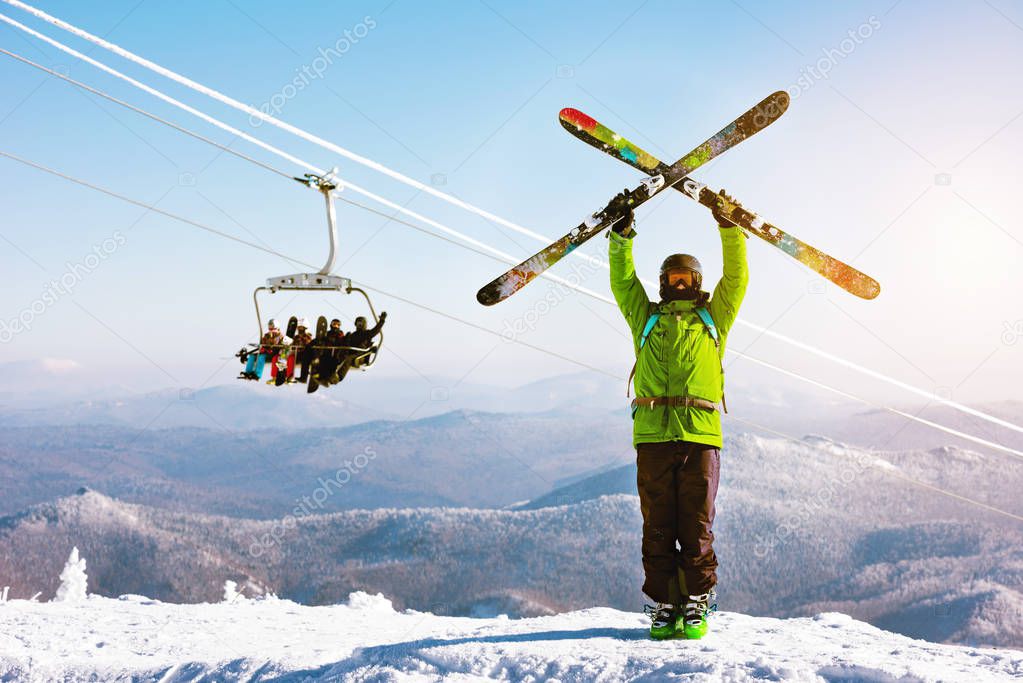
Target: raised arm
x,y
730,290
625,285
375,330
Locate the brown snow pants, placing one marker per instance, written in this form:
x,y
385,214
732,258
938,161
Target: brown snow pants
x,y
678,481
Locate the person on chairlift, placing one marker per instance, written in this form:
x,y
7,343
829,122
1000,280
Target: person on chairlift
x,y
269,344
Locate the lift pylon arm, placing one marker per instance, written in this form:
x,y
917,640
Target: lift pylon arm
x,y
327,185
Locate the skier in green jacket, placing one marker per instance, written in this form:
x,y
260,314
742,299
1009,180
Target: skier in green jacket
x,y
679,379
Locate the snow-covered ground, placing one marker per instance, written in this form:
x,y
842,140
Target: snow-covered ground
x,y
135,638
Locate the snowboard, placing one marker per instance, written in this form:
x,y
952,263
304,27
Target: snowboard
x,y
285,362
595,134
312,382
763,114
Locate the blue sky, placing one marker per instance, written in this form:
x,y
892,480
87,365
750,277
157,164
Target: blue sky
x,y
903,160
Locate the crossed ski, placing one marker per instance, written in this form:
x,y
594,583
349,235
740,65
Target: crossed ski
x,y
660,177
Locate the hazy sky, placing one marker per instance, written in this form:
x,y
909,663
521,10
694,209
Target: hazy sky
x,y
903,158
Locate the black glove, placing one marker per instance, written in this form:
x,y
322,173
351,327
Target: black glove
x,y
383,316
723,209
621,206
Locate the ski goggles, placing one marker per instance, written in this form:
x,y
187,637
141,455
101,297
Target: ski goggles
x,y
682,276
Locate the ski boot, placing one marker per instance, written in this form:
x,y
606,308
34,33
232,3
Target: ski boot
x,y
665,620
698,608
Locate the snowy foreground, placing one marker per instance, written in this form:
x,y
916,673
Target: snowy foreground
x,y
135,638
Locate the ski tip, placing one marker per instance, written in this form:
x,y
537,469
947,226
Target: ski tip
x,y
572,116
858,284
872,291
486,296
766,112
779,101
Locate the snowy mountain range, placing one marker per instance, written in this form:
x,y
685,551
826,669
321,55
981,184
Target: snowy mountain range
x,y
458,511
802,528
252,451
454,459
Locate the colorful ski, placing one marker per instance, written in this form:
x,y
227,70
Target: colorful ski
x,y
603,138
753,121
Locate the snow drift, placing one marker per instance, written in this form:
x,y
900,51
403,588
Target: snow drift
x,y
135,638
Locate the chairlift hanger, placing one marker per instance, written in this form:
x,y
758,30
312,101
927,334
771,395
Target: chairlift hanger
x,y
322,280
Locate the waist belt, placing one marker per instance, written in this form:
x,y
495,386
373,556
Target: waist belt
x,y
674,402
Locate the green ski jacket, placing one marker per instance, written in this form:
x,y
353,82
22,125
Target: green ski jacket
x,y
680,357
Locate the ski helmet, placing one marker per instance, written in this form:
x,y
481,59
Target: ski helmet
x,y
272,323
302,322
676,263
335,321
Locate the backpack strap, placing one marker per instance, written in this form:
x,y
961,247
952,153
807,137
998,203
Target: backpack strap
x,y
649,327
651,323
708,322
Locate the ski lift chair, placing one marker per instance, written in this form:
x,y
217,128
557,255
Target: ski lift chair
x,y
322,280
